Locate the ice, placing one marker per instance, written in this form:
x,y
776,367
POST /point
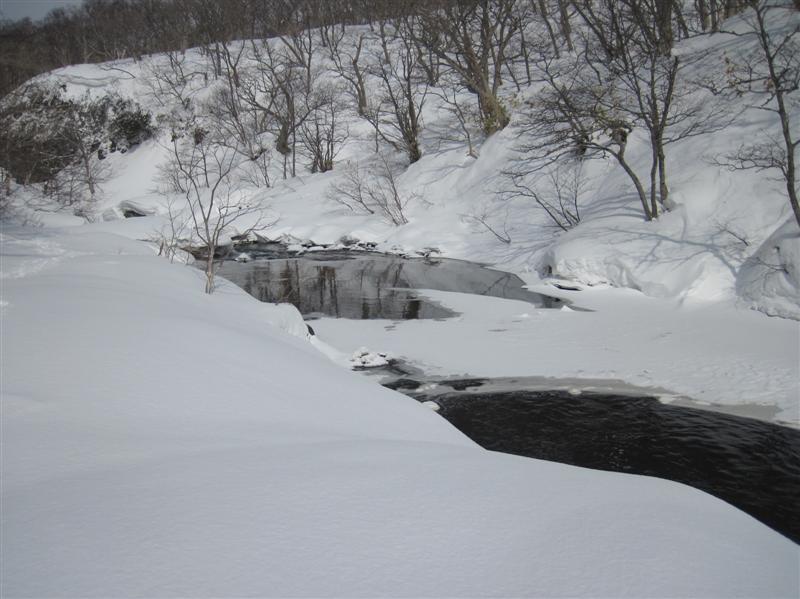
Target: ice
x,y
157,441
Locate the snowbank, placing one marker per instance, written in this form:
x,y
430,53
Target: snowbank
x,y
159,441
718,356
770,279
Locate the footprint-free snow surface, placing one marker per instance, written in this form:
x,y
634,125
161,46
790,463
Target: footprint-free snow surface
x,y
161,442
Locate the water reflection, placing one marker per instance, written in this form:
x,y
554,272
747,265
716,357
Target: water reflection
x,y
368,285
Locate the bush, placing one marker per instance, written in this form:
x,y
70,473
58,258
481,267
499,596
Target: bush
x,y
48,138
132,124
32,149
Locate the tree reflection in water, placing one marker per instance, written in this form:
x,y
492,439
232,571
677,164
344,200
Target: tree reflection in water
x,y
370,285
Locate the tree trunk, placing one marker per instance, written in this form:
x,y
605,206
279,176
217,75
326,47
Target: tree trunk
x,y
210,270
620,156
493,114
790,174
361,92
714,12
566,28
663,190
551,33
87,170
702,14
664,23
654,180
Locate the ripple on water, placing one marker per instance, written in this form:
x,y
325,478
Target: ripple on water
x,y
751,464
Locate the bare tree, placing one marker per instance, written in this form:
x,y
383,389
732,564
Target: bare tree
x,y
242,127
544,16
347,62
352,191
403,91
558,197
631,49
299,49
623,76
169,80
175,233
452,96
205,171
280,89
372,191
322,133
564,22
574,115
472,38
485,218
771,73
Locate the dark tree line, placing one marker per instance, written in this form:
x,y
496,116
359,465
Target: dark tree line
x,y
102,30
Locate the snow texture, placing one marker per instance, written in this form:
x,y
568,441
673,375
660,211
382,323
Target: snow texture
x,y
158,441
770,278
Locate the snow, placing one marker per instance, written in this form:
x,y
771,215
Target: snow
x,y
696,251
770,278
160,441
364,358
710,353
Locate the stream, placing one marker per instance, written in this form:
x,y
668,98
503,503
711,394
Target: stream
x,y
364,285
751,464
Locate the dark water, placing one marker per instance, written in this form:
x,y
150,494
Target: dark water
x,y
363,285
751,464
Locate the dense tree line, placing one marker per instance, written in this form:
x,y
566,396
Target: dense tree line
x,y
102,30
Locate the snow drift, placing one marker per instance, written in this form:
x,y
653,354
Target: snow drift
x,y
159,441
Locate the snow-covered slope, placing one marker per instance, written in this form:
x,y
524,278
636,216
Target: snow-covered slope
x,y
157,441
162,442
701,250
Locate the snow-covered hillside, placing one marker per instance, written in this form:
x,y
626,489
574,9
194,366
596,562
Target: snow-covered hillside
x,y
714,244
159,441
729,241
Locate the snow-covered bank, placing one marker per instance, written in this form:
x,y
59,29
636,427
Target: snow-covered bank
x,y
710,353
770,278
159,441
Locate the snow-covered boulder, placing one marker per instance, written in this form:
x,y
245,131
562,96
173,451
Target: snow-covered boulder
x,y
127,209
364,358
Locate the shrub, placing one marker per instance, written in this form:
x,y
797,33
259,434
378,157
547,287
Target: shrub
x,y
132,124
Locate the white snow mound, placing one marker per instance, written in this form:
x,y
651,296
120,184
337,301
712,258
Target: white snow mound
x,y
770,279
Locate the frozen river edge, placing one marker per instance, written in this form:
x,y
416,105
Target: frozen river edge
x,y
157,440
